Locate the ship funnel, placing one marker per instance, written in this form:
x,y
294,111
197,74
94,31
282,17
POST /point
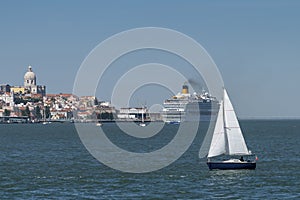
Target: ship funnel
x,y
185,89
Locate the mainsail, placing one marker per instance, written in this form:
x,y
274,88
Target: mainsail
x,y
227,137
236,141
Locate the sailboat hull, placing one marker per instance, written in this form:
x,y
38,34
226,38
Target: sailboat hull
x,y
231,165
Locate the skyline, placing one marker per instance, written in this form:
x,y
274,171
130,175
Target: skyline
x,y
254,44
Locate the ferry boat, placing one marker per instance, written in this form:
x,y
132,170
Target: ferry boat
x,y
190,107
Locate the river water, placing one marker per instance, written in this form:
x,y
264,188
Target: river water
x,y
50,162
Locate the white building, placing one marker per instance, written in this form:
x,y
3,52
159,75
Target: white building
x,y
132,113
8,99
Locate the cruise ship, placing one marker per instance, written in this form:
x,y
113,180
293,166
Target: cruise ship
x,y
190,107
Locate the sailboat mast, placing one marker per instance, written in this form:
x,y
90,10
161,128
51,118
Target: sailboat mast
x,y
224,125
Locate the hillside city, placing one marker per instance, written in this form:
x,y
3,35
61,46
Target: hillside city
x,y
31,103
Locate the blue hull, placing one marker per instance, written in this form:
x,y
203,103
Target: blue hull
x,y
223,165
174,123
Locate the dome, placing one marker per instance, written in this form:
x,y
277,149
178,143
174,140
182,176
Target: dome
x,y
30,75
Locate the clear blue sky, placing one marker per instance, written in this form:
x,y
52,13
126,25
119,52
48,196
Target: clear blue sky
x,y
255,44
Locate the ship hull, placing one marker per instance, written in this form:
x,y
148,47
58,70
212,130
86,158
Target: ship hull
x,y
231,165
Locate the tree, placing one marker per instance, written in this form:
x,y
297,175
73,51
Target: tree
x,y
6,112
38,112
96,102
23,113
18,100
27,111
106,115
111,116
47,112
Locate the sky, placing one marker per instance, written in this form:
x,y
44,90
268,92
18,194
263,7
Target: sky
x,y
255,45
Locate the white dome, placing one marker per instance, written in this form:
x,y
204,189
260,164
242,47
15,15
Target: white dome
x,y
30,75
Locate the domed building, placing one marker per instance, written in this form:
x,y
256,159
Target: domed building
x,y
30,83
29,78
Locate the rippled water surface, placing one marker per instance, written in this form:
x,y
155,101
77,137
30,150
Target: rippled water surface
x,y
50,162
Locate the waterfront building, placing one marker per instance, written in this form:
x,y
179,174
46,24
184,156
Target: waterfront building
x,y
61,114
18,90
8,99
132,113
87,101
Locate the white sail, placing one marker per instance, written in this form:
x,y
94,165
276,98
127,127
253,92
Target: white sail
x,y
218,143
235,139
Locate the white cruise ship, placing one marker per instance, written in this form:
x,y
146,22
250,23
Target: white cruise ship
x,y
190,107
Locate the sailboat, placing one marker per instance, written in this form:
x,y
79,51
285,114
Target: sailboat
x,y
99,124
228,140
